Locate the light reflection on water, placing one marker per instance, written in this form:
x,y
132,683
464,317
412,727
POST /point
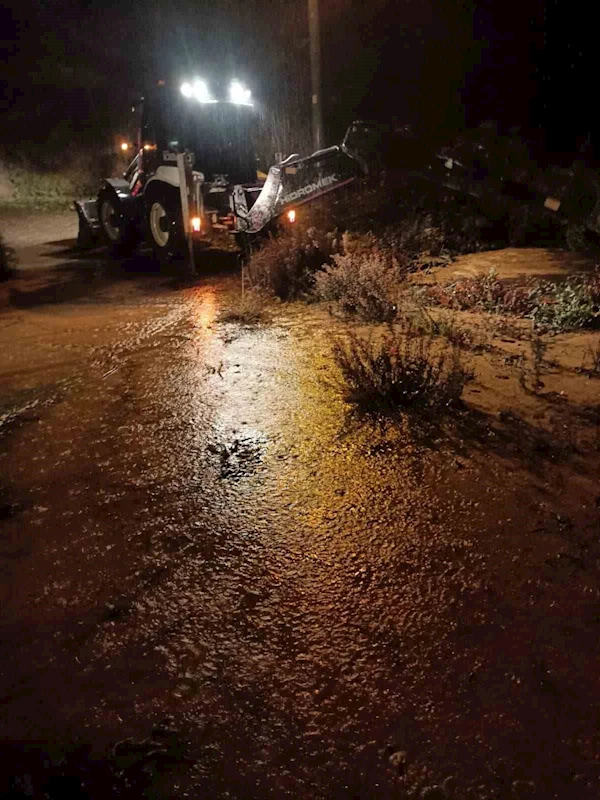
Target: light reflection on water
x,y
207,310
241,387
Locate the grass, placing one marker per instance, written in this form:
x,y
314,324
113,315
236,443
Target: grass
x,y
404,373
52,185
41,190
248,310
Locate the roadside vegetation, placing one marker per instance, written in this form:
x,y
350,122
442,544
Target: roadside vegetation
x,y
46,185
409,231
415,338
403,373
249,309
555,307
7,260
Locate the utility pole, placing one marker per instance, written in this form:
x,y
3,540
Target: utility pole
x,y
315,73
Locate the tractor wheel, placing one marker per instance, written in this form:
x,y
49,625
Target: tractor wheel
x,y
118,233
165,226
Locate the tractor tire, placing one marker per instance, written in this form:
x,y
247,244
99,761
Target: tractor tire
x,y
164,225
118,233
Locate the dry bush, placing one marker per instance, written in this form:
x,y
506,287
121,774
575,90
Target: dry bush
x,y
458,335
247,309
404,373
286,264
483,292
364,280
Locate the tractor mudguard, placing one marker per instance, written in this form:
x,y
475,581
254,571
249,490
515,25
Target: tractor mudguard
x,y
88,234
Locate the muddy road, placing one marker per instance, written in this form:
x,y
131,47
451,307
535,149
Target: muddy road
x,y
217,583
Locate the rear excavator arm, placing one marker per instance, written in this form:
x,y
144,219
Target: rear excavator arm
x,y
300,180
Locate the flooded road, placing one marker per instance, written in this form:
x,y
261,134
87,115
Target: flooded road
x,y
216,583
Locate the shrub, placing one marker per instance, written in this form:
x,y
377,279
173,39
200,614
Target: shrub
x,y
563,306
7,260
484,292
553,306
390,223
286,264
363,282
418,240
404,373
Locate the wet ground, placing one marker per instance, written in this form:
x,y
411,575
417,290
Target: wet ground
x,y
217,583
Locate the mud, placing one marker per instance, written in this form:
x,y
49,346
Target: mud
x,y
217,583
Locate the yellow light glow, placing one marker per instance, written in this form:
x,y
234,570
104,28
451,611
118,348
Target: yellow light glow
x,y
207,309
196,224
124,146
291,215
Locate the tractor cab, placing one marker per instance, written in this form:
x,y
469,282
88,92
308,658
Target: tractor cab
x,y
216,129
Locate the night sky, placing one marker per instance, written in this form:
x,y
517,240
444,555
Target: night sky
x,y
71,67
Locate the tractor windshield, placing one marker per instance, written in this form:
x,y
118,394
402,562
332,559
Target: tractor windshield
x,y
221,135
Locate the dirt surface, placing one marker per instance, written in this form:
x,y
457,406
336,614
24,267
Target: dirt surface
x,y
40,240
22,229
218,583
513,264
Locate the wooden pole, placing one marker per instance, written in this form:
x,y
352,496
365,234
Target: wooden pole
x,y
315,73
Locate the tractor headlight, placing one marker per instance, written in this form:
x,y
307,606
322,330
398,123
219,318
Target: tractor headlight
x,y
197,89
239,94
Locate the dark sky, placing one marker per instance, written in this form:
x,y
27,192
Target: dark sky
x,y
439,63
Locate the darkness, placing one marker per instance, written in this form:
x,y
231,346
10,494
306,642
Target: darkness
x,y
72,67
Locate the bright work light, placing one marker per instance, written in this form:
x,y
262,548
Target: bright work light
x,y
198,89
238,94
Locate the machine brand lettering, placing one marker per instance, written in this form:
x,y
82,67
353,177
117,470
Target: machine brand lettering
x,y
310,188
